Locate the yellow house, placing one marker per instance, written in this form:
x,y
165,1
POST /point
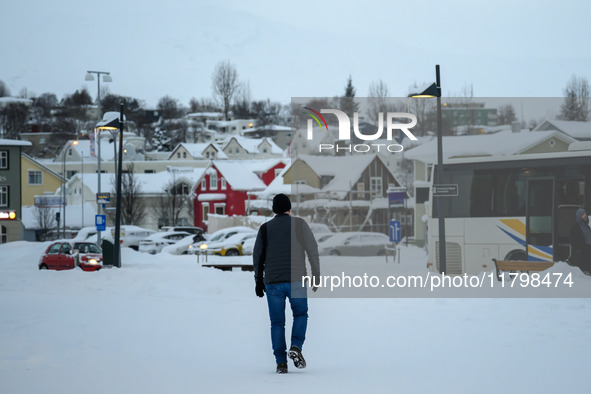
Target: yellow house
x,y
36,179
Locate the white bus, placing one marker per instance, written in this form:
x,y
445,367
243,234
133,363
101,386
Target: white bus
x,y
509,208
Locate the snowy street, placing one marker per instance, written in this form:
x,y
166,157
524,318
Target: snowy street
x,y
164,324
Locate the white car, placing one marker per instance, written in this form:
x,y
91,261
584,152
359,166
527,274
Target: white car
x,y
183,246
248,246
155,242
354,244
219,236
131,236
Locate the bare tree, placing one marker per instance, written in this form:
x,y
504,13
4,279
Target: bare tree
x,y
169,107
225,84
45,218
379,101
133,208
170,205
576,100
13,117
4,91
507,114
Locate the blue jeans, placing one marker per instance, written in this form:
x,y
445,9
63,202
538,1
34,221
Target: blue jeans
x,y
276,294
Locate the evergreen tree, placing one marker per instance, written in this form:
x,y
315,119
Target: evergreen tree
x,y
347,102
576,100
161,142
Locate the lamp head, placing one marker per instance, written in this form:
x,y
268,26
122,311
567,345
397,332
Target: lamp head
x,y
429,91
89,77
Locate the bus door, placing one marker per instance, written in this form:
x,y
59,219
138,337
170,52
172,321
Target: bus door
x,y
539,214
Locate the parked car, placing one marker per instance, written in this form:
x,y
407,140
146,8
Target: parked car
x,y
85,233
131,236
220,235
182,246
155,242
66,255
230,246
354,244
319,229
187,229
248,246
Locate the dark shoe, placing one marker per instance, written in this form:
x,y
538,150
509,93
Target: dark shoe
x,y
296,355
282,368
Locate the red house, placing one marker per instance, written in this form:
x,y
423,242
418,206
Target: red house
x,y
223,187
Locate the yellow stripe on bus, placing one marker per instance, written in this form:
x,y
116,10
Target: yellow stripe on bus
x,y
516,225
538,253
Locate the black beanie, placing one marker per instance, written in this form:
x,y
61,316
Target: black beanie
x,y
281,203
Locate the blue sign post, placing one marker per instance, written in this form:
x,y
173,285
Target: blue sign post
x,y
100,222
395,231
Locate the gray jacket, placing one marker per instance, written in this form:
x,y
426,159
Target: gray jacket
x,y
281,257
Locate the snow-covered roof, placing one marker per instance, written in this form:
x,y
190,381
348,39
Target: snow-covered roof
x,y
6,142
498,144
345,170
14,100
578,130
252,144
238,175
267,127
196,150
73,215
154,183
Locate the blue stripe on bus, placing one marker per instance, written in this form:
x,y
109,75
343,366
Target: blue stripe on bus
x,y
518,240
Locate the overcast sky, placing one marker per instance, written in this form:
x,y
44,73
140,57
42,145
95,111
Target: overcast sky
x,y
290,49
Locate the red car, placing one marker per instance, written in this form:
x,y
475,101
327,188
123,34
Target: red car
x,y
66,255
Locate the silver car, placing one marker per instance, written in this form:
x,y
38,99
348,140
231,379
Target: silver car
x,y
354,244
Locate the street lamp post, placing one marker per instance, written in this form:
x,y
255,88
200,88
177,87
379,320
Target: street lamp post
x,y
106,78
117,246
434,90
115,121
69,146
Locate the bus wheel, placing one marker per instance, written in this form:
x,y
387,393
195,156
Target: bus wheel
x,y
516,255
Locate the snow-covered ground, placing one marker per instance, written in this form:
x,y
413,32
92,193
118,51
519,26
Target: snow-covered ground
x,y
165,324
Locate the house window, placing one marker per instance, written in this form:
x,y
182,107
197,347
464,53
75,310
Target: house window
x,y
149,171
220,209
3,196
213,181
429,170
300,182
223,181
70,174
184,155
178,155
3,235
360,191
203,184
35,177
3,160
375,184
205,211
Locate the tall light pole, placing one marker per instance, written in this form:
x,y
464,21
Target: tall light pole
x,y
106,78
434,90
68,147
114,121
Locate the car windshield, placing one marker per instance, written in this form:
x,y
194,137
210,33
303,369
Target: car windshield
x,y
218,237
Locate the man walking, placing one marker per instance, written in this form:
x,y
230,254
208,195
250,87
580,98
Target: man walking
x,y
279,259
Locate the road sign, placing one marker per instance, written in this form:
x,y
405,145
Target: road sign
x,y
396,199
395,231
49,201
450,190
100,222
103,198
